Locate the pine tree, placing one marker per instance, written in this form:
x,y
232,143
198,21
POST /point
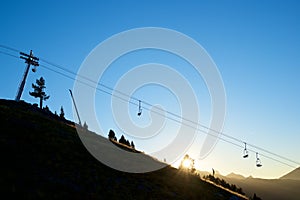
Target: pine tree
x,y
47,110
85,126
38,91
62,113
187,164
112,135
122,140
132,145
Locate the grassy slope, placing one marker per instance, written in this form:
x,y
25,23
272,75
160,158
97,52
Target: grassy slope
x,y
43,157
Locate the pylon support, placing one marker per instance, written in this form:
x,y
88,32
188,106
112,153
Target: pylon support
x,y
75,107
30,60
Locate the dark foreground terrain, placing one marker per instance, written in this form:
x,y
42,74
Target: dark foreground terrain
x,y
43,157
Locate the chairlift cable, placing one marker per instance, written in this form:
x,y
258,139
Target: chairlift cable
x,y
146,103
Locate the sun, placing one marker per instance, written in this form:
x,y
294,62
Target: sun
x,y
186,163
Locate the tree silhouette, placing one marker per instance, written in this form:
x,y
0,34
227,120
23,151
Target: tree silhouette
x,y
255,197
38,91
132,145
112,135
85,126
187,164
62,113
122,140
47,111
224,184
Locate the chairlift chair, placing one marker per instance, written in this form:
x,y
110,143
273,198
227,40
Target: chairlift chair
x,y
258,162
140,109
245,152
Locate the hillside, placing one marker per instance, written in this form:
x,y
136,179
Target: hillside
x,y
43,157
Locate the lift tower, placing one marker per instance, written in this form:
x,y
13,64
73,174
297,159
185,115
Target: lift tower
x,y
29,60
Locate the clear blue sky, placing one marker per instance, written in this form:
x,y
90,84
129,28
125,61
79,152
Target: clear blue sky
x,y
255,45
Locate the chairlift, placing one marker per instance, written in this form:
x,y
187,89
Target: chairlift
x,y
258,162
140,109
245,151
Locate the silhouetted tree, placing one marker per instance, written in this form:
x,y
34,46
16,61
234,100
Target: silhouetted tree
x,y
112,135
233,187
38,91
223,183
255,197
85,126
240,190
132,145
46,109
122,140
62,113
191,162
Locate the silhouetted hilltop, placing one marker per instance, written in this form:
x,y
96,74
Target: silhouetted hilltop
x,y
287,187
293,175
235,176
42,156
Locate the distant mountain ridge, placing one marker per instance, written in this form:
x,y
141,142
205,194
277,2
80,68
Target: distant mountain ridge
x,y
293,175
286,187
236,176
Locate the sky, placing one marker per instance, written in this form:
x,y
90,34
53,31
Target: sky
x,y
254,44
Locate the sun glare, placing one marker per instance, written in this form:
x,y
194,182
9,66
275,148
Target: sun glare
x,y
186,163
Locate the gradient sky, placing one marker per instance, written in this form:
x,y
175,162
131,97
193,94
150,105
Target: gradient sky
x,y
255,45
